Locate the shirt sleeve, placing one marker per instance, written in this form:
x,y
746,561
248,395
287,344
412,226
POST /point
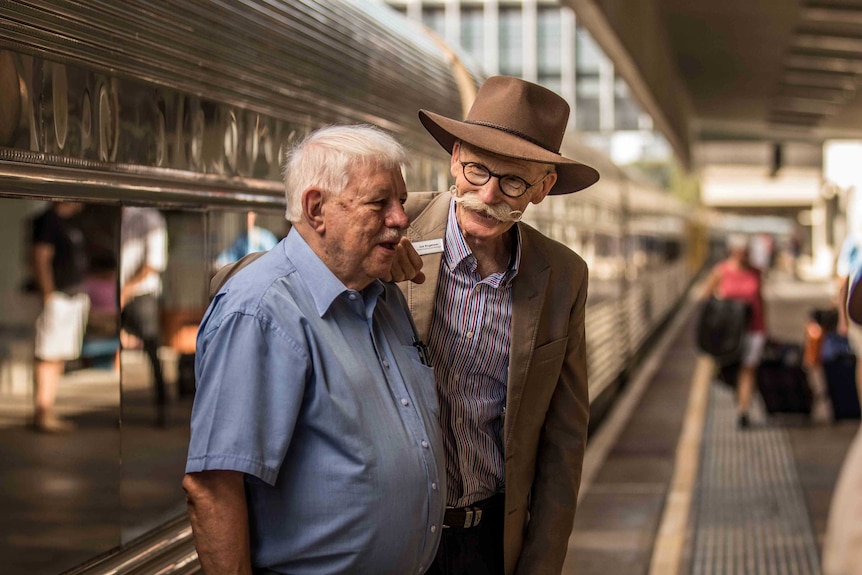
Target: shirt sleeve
x,y
43,230
157,246
251,380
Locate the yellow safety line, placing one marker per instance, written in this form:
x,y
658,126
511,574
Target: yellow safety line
x,y
670,541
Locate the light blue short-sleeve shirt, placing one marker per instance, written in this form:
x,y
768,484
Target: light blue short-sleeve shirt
x,y
317,393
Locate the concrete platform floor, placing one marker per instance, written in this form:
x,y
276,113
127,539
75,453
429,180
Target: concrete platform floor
x,y
634,457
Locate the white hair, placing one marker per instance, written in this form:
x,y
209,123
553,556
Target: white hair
x,y
327,158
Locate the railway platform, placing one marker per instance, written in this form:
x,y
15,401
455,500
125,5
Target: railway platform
x,y
671,486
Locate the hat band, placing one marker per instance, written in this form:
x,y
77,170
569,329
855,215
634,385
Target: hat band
x,y
514,133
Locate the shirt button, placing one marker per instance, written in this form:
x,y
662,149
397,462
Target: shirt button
x,y
434,486
405,403
469,334
424,444
433,529
459,421
352,297
385,364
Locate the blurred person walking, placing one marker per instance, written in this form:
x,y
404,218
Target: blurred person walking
x,y
253,239
842,544
143,258
59,262
736,278
849,260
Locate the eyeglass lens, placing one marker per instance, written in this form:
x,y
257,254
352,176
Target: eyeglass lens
x,y
478,175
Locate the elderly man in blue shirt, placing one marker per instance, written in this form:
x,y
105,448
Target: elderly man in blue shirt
x,y
315,446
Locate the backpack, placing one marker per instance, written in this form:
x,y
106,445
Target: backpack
x,y
721,328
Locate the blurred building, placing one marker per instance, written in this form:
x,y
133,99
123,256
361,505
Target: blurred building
x,y
541,41
759,177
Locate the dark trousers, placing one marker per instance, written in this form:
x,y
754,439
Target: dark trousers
x,y
475,550
140,317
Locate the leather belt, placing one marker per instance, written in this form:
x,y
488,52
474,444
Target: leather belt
x,y
471,515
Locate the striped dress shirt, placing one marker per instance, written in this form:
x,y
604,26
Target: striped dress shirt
x,y
470,342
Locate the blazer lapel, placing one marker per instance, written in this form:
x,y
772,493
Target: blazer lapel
x,y
528,295
430,224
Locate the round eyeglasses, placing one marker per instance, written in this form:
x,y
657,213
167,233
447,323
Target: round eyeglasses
x,y
512,186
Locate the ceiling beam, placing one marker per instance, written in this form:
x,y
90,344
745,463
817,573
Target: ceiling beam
x,y
632,36
832,15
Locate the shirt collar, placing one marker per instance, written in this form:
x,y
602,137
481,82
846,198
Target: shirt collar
x,y
457,250
322,284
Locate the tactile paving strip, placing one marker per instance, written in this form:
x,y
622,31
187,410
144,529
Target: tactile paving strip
x,y
750,514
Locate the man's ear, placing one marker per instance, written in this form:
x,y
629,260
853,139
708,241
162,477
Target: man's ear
x,y
454,163
547,183
313,207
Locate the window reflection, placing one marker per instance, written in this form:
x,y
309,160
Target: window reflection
x,y
189,248
104,475
162,293
59,392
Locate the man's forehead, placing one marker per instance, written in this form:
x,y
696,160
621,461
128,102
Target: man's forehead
x,y
376,179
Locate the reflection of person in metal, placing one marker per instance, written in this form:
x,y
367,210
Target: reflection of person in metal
x,y
314,439
143,257
59,268
253,239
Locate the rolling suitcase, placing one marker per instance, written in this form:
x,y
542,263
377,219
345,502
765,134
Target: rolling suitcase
x,y
839,368
781,379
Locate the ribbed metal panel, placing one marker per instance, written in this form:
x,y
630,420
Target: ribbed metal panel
x,y
637,315
606,353
301,61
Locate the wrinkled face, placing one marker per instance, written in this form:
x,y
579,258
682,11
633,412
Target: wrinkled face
x,y
475,221
362,225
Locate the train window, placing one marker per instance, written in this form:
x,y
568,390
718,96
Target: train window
x,y
94,432
59,413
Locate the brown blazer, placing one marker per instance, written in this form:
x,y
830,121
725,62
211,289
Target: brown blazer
x,y
547,403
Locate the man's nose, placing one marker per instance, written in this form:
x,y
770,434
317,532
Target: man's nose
x,y
397,217
490,191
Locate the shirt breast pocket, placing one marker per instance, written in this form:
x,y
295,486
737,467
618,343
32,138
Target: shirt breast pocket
x,y
419,379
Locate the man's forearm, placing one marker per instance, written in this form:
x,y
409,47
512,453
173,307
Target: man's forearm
x,y
219,517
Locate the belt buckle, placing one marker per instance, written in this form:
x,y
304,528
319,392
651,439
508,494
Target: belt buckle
x,y
472,518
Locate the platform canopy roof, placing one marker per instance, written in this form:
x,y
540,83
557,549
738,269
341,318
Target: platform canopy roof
x,y
764,70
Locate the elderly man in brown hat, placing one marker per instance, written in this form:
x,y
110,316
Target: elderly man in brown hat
x,y
502,309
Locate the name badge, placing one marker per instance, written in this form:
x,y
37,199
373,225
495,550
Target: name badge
x,y
426,247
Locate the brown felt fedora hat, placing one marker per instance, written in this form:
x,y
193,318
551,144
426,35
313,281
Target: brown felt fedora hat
x,y
517,119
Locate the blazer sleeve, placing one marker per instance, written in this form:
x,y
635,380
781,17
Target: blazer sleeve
x,y
560,455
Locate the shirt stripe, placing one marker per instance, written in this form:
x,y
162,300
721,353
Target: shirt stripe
x,y
470,345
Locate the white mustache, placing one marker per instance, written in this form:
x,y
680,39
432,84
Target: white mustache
x,y
499,212
393,237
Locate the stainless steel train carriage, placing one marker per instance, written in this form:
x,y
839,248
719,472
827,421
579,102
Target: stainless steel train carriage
x,y
642,252
184,106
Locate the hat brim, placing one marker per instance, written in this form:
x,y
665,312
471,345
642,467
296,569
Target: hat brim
x,y
854,298
572,176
